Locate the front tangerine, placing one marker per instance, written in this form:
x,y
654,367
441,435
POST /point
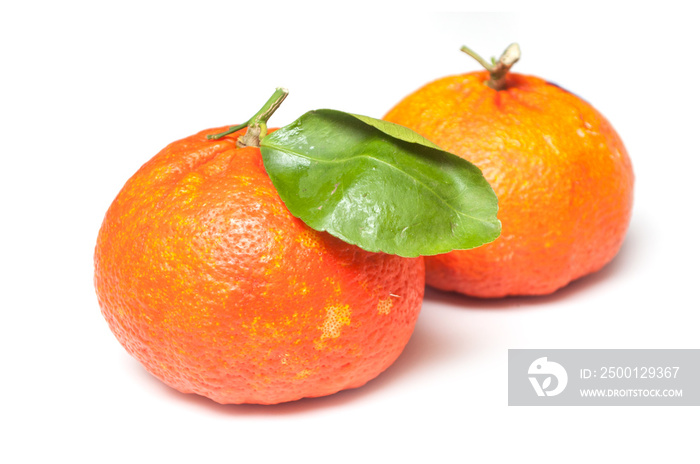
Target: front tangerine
x,y
205,277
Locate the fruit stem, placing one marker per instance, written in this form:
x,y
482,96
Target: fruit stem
x,y
500,68
257,125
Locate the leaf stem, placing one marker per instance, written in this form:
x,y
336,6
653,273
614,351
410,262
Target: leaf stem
x,y
487,66
228,131
257,125
499,69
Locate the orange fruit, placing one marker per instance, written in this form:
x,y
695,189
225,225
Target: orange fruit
x,y
563,178
205,277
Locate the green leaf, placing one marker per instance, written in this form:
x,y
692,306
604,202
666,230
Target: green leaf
x,y
379,185
396,130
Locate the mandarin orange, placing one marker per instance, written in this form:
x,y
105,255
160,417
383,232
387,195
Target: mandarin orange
x,y
206,278
561,173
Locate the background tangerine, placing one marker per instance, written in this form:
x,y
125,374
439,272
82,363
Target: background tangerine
x,y
562,175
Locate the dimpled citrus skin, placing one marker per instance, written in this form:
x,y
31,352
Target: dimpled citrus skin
x,y
205,277
562,175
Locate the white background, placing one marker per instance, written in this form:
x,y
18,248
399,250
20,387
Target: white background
x,y
89,92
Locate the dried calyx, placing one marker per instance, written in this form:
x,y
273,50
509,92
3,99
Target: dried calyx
x,y
497,69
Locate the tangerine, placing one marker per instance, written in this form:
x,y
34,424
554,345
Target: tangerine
x,y
562,175
205,277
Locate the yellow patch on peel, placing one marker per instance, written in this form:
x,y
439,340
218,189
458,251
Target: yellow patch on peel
x,y
334,285
337,316
187,188
308,239
384,305
304,373
303,289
